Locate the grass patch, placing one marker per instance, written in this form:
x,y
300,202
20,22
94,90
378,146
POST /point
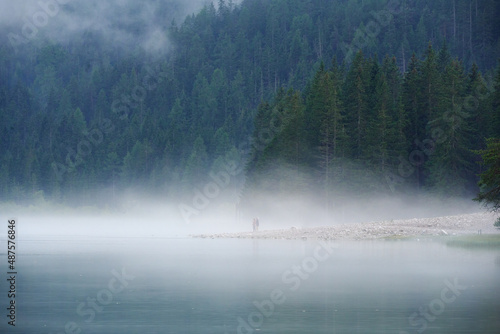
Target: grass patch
x,y
475,241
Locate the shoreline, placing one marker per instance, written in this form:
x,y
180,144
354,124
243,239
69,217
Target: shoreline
x,y
465,224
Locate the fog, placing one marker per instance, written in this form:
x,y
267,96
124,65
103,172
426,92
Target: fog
x,y
121,23
139,215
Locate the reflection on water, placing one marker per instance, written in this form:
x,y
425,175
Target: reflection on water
x,y
253,286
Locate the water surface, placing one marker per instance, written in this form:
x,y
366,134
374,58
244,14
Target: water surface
x,y
183,285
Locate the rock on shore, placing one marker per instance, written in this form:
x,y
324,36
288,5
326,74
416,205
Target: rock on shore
x,y
449,225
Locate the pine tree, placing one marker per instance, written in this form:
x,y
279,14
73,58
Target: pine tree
x,y
221,142
490,179
450,166
356,105
137,164
411,88
333,137
291,147
379,136
444,58
430,86
316,97
195,171
102,107
177,131
112,168
291,138
332,130
477,106
417,118
397,113
495,107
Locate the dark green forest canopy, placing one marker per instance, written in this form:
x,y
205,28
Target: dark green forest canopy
x,y
82,114
490,179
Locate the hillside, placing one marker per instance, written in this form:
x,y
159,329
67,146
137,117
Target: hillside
x,y
157,101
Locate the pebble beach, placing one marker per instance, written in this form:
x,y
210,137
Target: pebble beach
x,y
465,224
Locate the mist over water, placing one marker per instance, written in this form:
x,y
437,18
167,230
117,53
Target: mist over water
x,y
135,269
204,286
140,215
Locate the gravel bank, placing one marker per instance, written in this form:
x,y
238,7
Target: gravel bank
x,y
449,225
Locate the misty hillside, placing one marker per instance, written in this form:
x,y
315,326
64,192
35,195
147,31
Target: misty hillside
x,y
290,96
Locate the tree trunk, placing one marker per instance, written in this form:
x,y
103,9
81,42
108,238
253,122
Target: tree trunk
x,y
454,21
470,30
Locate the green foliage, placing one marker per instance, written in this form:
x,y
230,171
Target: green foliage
x,y
195,172
490,178
450,164
495,108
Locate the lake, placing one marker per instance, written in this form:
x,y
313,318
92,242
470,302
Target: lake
x,y
183,285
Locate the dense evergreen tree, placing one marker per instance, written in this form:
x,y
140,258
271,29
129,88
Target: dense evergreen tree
x,y
495,107
356,103
451,162
490,179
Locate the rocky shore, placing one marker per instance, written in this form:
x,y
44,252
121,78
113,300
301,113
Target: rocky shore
x,y
424,227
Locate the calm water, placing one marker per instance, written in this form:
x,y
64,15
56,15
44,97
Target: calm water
x,y
128,285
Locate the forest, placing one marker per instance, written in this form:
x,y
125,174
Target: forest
x,y
284,96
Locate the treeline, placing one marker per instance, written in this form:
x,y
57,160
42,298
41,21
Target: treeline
x,y
369,129
87,114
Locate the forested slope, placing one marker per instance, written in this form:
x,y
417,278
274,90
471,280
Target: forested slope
x,y
84,113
